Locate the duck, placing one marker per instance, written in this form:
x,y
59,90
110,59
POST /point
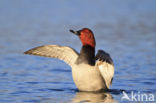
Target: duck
x,y
90,72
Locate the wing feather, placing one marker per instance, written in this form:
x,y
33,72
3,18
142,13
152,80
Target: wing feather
x,y
106,66
64,53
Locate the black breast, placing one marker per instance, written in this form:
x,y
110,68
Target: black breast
x,y
87,55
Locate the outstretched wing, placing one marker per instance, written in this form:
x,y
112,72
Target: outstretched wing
x,y
106,66
64,53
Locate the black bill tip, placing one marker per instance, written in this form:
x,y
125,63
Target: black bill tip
x,y
75,32
72,31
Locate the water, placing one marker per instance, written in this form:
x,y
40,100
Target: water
x,y
125,29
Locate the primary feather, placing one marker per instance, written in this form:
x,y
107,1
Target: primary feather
x,y
64,53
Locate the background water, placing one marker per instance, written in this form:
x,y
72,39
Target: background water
x,y
124,28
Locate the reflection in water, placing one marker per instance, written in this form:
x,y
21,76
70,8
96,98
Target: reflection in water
x,y
89,97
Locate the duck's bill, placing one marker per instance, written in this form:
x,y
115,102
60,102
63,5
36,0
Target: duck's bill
x,y
75,32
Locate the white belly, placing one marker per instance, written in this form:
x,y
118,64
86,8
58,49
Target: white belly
x,y
87,78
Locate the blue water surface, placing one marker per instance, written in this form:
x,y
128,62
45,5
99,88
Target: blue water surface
x,y
126,29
